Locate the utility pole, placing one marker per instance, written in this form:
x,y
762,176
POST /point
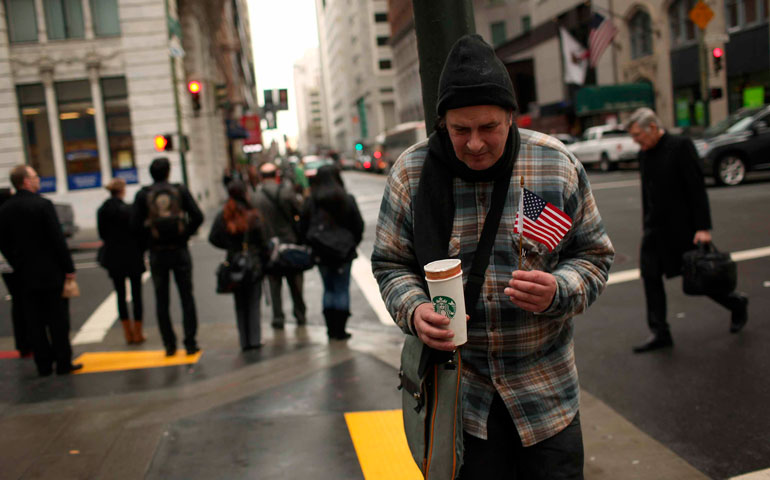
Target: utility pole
x,y
705,92
438,25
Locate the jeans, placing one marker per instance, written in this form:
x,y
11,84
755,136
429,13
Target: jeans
x,y
502,455
295,282
119,281
162,262
336,282
247,314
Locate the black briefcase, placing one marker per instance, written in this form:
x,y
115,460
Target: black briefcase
x,y
707,271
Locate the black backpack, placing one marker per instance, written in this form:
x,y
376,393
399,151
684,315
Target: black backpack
x,y
166,219
331,243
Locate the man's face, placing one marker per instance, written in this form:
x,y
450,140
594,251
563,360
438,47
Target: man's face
x,y
646,137
478,134
31,181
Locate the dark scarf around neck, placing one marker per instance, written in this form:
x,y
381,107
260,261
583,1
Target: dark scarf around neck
x,y
434,203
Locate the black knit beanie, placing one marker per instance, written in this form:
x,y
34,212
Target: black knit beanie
x,y
473,75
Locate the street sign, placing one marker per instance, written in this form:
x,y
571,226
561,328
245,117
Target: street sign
x,y
701,14
717,38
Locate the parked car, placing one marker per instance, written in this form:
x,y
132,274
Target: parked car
x,y
605,146
565,138
736,145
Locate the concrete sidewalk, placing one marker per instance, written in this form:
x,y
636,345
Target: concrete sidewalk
x,y
275,413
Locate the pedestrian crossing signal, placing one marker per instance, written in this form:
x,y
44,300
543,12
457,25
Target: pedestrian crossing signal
x,y
163,143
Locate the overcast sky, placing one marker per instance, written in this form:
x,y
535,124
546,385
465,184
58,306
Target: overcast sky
x,y
281,31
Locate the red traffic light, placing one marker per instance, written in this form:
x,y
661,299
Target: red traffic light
x,y
377,154
194,86
717,52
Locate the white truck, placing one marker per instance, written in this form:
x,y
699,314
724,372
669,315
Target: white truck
x,y
604,146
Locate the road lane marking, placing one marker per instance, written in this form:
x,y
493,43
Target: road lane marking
x,y
618,184
362,274
634,274
101,320
758,475
94,362
380,443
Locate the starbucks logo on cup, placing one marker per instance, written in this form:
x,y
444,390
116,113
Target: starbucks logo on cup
x,y
445,306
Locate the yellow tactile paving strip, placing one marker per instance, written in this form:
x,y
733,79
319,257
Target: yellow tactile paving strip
x,y
112,361
380,444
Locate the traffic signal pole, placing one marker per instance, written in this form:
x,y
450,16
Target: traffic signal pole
x,y
438,25
705,91
182,146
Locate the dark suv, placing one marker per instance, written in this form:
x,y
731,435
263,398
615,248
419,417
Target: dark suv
x,y
736,145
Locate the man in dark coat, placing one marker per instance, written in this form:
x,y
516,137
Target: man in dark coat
x,y
20,333
32,241
166,216
676,218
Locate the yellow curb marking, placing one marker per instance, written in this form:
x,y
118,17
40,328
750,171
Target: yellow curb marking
x,y
380,444
111,361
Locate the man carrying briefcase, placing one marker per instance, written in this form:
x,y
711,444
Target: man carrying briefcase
x,y
676,218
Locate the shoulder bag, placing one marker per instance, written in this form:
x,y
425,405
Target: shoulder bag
x,y
243,267
287,258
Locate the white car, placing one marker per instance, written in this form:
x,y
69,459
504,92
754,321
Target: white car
x,y
605,146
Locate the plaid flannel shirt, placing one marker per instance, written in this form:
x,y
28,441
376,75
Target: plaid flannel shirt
x,y
528,358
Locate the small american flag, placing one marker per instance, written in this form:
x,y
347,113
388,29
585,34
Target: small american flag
x,y
601,35
543,222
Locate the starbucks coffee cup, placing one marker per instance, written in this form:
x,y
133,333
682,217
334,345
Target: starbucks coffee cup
x,y
445,285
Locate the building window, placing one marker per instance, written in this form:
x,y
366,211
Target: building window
x,y
105,18
526,23
744,13
78,131
64,19
382,41
380,17
682,28
22,20
498,32
385,65
118,118
641,35
36,133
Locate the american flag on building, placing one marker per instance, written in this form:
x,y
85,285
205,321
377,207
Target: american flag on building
x,y
599,38
543,222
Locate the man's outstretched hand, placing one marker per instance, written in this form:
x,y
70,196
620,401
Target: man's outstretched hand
x,y
531,290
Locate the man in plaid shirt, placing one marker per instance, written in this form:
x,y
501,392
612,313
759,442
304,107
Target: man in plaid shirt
x,y
519,380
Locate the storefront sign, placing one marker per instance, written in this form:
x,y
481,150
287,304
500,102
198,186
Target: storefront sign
x,y
47,184
130,175
79,181
252,126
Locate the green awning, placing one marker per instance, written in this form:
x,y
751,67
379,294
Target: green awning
x,y
614,98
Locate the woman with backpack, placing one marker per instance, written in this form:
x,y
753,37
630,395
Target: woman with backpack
x,y
122,256
333,227
239,229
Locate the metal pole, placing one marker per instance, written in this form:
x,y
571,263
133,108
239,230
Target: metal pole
x,y
704,77
438,25
180,143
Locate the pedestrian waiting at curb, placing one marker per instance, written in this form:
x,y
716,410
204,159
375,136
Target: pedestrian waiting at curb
x,y
165,216
238,227
333,227
20,331
122,257
32,241
280,207
675,218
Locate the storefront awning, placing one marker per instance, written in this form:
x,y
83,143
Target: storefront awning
x,y
613,98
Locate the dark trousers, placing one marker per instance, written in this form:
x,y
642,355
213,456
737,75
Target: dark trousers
x,y
162,262
48,319
119,281
247,314
20,331
655,292
336,282
295,288
502,455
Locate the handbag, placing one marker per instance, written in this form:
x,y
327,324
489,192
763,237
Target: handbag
x,y
71,288
707,271
289,258
241,268
430,380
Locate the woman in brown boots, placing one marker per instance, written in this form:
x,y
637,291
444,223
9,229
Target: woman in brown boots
x,y
122,257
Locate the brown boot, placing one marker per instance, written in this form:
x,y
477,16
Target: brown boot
x,y
128,331
138,334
